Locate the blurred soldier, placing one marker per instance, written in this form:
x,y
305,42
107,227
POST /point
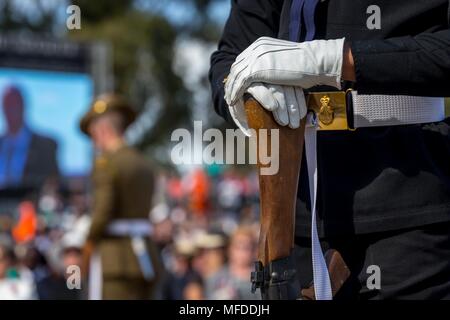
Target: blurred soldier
x,y
124,262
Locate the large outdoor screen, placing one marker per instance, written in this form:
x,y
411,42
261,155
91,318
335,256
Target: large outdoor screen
x,y
39,134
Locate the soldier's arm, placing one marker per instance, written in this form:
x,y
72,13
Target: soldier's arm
x,y
103,201
248,20
418,65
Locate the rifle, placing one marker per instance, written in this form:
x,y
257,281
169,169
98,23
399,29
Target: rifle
x,y
275,270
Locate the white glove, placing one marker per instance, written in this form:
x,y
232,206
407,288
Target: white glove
x,y
276,61
287,104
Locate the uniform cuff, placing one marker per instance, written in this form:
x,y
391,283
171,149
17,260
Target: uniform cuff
x,y
380,66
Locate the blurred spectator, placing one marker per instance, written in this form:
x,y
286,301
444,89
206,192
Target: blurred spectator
x,y
71,256
16,283
198,262
180,272
231,192
233,281
194,289
211,256
36,263
51,284
50,203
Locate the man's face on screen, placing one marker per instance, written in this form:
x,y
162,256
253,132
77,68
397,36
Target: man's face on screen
x,y
13,109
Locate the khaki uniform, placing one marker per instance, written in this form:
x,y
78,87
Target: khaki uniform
x,y
123,187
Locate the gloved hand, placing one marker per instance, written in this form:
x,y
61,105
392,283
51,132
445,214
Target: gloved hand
x,y
276,61
287,104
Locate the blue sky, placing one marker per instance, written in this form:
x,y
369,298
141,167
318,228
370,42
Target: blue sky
x,y
55,101
176,11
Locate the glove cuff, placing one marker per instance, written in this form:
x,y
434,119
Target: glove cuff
x,y
334,57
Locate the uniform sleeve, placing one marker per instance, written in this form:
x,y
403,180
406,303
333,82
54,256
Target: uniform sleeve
x,y
248,20
418,65
103,179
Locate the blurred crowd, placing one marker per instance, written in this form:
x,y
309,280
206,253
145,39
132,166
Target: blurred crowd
x,y
204,223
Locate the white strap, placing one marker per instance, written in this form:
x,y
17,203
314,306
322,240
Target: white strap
x,y
322,285
95,277
376,110
143,257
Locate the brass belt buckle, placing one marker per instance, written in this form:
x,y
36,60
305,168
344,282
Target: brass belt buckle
x,y
330,108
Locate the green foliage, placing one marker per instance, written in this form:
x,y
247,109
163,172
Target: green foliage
x,y
142,42
41,20
99,10
133,35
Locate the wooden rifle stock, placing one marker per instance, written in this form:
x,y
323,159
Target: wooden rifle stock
x,y
278,192
278,196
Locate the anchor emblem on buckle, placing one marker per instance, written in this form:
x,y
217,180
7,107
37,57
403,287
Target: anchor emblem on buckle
x,y
326,113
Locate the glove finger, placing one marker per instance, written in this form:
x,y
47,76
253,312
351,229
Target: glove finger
x,y
240,79
238,64
258,43
233,81
270,41
237,112
292,107
280,114
264,95
238,85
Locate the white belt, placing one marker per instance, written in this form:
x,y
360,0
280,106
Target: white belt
x,y
129,227
383,110
341,110
368,111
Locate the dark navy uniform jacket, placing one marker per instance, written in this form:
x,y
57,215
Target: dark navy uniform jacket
x,y
373,179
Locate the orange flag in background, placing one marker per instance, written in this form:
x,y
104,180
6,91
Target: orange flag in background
x,y
25,229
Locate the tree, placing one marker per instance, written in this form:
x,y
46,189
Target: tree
x,y
97,11
142,38
37,17
142,45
